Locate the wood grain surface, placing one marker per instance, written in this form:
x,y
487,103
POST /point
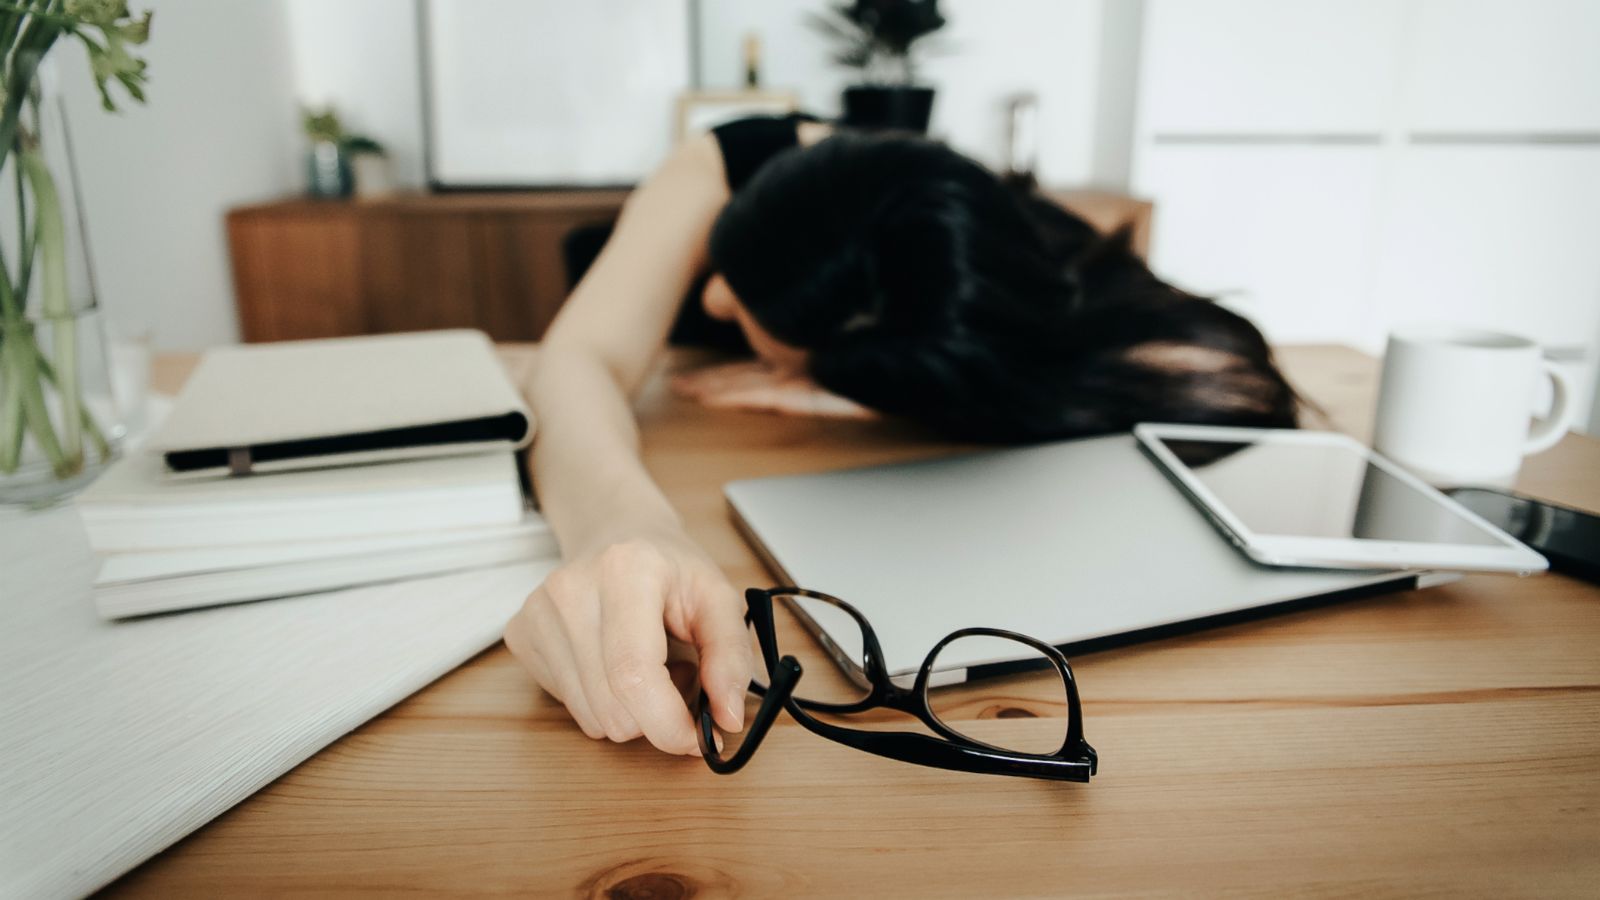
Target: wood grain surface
x,y
1439,742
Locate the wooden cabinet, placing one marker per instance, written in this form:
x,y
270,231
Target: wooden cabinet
x,y
307,268
493,261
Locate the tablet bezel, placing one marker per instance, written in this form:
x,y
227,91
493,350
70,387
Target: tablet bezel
x,y
1338,553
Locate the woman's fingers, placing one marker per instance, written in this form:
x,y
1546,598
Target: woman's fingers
x,y
538,640
595,636
634,579
520,643
580,624
717,627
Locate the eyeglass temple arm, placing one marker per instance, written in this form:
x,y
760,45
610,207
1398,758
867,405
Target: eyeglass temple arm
x,y
783,680
942,754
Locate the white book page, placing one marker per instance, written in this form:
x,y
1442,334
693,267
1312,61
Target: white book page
x,y
120,738
118,568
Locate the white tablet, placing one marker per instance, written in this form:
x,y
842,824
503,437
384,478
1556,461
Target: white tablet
x,y
1321,499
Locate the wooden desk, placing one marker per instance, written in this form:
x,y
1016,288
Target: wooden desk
x,y
1445,741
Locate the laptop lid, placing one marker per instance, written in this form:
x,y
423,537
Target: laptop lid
x,y
1083,544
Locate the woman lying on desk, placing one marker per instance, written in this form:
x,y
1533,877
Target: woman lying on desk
x,y
868,275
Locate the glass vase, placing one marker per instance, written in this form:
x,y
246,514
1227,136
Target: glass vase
x,y
59,423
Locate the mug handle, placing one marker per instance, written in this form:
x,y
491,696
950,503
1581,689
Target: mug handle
x,y
1552,428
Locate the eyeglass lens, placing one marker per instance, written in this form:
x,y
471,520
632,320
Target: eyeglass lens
x,y
1023,710
817,634
827,642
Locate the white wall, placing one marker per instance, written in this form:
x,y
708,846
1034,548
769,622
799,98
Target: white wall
x,y
1116,94
988,51
361,56
218,130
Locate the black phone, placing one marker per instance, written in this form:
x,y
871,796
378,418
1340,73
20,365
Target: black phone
x,y
1570,539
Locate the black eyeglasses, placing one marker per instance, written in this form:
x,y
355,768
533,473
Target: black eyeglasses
x,y
1036,731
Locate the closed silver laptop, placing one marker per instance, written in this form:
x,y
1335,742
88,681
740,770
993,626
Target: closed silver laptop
x,y
1083,544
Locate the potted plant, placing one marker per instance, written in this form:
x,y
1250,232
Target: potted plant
x,y
327,169
331,160
878,38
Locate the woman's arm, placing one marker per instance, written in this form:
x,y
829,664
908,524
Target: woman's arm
x,y
602,345
595,633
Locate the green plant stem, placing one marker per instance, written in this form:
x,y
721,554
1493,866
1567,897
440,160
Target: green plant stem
x,y
8,27
39,11
11,306
12,421
65,335
56,306
96,436
27,241
23,64
13,372
11,425
10,309
102,446
20,360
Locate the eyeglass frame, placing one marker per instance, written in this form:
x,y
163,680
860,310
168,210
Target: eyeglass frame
x,y
1074,761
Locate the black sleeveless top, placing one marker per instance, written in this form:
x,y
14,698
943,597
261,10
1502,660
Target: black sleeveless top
x,y
747,145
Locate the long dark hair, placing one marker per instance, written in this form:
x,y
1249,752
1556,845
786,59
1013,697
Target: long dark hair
x,y
923,286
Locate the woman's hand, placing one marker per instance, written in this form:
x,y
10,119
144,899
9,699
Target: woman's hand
x,y
757,386
594,636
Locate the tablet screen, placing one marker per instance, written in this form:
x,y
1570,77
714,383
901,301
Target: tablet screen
x,y
1320,491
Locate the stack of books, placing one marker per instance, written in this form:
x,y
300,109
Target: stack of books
x,y
311,466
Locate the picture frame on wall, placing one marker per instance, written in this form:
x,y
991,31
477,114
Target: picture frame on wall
x,y
555,94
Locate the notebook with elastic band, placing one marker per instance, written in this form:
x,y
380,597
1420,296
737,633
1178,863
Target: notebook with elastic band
x,y
308,404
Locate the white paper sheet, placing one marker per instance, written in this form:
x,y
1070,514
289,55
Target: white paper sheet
x,y
117,739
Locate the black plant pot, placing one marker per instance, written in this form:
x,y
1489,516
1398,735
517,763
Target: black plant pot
x,y
888,108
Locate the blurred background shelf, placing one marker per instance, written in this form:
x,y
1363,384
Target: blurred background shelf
x,y
308,268
489,260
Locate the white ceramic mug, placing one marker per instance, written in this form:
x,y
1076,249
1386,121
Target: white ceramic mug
x,y
1454,404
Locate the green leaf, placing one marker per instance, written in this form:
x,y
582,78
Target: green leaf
x,y
103,13
357,144
135,31
112,59
323,125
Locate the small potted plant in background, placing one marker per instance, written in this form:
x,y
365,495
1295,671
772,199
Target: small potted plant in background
x,y
878,38
334,158
327,168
